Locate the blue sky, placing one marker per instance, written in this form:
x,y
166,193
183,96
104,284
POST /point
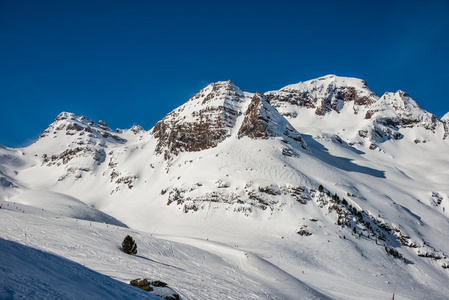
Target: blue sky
x,y
132,62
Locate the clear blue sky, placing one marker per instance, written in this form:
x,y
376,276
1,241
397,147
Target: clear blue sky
x,y
132,62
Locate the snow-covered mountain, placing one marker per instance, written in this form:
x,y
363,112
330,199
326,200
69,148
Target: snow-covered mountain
x,y
323,181
357,114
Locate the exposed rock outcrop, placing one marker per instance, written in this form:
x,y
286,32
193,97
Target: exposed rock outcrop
x,y
201,123
325,94
262,121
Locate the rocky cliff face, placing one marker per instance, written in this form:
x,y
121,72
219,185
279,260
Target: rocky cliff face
x,y
201,123
323,95
262,121
211,116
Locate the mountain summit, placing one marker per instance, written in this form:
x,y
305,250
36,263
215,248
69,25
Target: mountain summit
x,y
310,177
348,108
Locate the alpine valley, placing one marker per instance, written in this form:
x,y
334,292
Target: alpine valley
x,y
320,190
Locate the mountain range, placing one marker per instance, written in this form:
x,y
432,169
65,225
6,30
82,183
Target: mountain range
x,y
321,188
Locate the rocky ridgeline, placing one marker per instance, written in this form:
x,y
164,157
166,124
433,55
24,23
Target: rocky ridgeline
x,y
394,111
387,114
323,95
86,131
84,144
83,138
210,116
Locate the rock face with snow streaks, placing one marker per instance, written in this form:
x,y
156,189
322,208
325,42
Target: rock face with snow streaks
x,y
378,118
323,95
262,121
76,136
401,111
201,123
85,130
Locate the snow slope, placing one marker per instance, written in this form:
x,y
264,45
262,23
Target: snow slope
x,y
63,205
218,271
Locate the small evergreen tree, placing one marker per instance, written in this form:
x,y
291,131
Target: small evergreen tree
x,y
129,246
320,188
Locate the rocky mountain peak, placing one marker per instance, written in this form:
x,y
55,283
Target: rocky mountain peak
x,y
202,122
137,129
83,130
373,119
399,110
402,102
103,125
324,94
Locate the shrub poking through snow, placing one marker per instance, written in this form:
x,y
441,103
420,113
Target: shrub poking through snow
x,y
142,284
129,246
156,287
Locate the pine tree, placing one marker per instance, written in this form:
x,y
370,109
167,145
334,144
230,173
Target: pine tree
x,y
129,246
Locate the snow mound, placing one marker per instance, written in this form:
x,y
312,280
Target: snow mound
x,y
63,205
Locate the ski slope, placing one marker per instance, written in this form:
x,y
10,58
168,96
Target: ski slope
x,y
240,266
87,254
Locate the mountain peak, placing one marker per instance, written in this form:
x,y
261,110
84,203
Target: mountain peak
x,y
324,95
202,122
84,130
325,81
400,110
65,115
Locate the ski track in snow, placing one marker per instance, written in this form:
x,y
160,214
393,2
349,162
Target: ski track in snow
x,y
194,273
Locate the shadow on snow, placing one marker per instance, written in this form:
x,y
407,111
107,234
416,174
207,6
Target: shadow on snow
x,y
342,163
